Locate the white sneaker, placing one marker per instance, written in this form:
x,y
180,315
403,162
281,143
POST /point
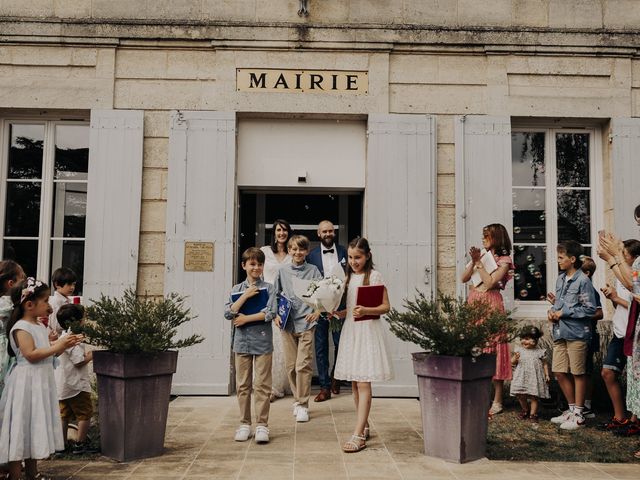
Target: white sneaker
x,y
243,433
295,408
262,434
302,415
574,423
560,419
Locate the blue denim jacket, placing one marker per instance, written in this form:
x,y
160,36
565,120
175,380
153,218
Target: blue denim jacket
x,y
253,338
576,299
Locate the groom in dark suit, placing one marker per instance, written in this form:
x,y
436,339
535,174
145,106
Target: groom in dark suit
x,y
326,257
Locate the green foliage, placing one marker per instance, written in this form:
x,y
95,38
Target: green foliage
x,y
450,326
138,325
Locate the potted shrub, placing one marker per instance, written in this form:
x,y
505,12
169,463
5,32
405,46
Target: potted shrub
x,y
135,369
454,373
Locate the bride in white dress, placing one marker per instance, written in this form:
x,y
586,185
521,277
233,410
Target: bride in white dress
x,y
275,257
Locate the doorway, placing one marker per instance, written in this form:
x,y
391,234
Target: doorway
x,y
303,210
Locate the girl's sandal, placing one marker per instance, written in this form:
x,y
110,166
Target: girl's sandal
x,y
354,444
366,433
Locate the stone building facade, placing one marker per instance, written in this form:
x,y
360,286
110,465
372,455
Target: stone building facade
x,y
523,112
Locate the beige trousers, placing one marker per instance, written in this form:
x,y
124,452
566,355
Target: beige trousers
x,y
298,355
246,366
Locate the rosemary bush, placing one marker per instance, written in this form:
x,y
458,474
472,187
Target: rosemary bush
x,y
450,326
138,325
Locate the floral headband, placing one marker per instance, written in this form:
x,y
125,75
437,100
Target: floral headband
x,y
30,288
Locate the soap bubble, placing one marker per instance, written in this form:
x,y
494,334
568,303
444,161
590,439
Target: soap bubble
x,y
524,293
516,230
529,258
538,274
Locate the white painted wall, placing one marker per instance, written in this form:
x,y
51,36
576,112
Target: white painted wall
x,y
274,152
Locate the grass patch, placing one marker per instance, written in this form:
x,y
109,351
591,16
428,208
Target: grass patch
x,y
510,438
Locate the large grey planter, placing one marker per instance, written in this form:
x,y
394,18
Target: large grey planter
x,y
133,402
454,398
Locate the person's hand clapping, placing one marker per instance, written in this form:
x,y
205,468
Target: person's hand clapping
x,y
610,245
475,254
53,336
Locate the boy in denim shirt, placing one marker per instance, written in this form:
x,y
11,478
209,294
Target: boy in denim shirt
x,y
575,305
297,338
253,347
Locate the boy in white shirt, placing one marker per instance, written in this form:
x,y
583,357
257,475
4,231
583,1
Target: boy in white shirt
x,y
63,281
74,381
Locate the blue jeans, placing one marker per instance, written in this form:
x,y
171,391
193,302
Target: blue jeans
x,y
322,351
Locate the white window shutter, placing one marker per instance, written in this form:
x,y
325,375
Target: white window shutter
x,y
400,221
483,185
113,202
201,208
625,174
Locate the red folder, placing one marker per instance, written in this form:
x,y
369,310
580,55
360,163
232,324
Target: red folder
x,y
369,296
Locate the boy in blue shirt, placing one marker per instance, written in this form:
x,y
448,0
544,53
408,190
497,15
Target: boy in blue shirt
x,y
298,335
252,347
575,305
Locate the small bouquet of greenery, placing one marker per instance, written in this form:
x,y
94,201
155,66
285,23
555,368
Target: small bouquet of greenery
x,y
450,326
135,324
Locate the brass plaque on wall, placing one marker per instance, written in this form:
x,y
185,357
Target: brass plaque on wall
x,y
302,81
198,256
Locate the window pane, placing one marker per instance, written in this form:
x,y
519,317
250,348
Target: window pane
x,y
25,154
70,254
72,152
530,282
574,216
527,159
22,214
572,159
529,216
25,252
69,209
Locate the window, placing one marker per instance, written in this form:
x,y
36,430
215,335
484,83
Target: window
x,y
44,188
554,200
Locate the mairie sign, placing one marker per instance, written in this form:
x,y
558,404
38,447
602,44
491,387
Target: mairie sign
x,y
302,81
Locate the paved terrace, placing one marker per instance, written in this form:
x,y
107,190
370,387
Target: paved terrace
x,y
199,445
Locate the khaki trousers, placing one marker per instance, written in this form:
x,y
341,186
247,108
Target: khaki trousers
x,y
253,370
298,355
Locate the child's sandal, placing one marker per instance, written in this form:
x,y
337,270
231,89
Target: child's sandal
x,y
354,444
366,433
523,415
534,418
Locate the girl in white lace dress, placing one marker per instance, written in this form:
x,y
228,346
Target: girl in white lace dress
x,y
30,426
362,357
276,256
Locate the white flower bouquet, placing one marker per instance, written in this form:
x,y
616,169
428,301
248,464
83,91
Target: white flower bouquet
x,y
322,295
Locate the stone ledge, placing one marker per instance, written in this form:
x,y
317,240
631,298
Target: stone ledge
x,y
246,33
